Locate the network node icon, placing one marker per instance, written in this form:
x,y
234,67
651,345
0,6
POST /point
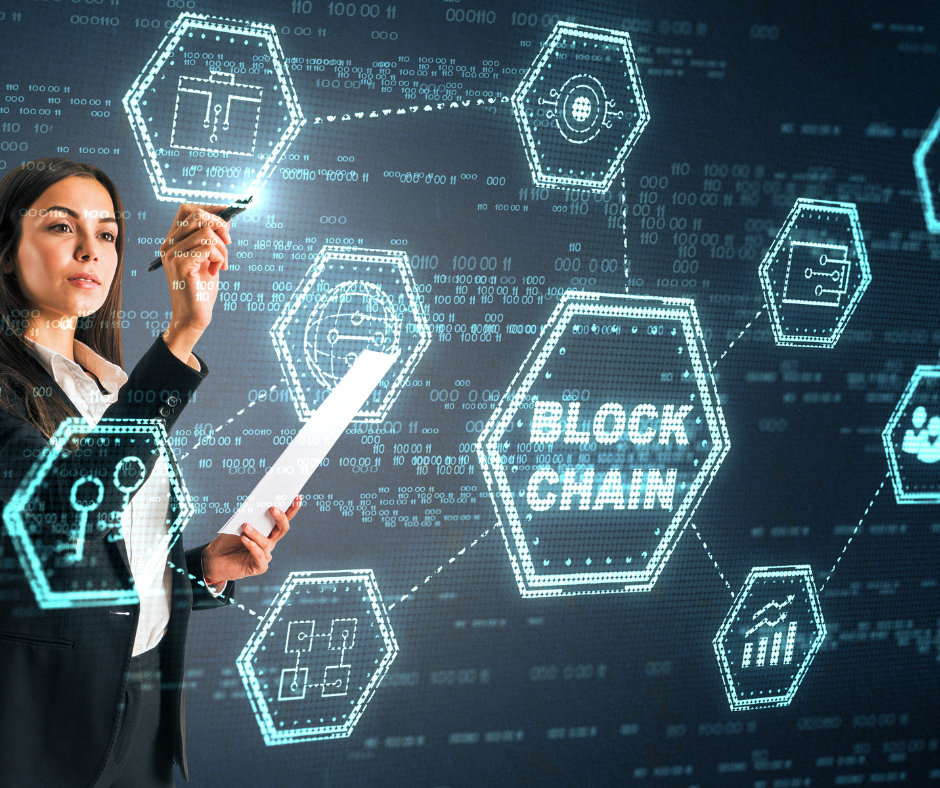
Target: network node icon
x,y
214,110
912,439
927,170
350,300
770,636
624,431
65,517
310,679
815,273
580,107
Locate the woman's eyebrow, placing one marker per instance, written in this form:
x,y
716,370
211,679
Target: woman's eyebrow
x,y
73,214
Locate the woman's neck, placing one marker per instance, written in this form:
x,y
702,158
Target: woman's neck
x,y
57,335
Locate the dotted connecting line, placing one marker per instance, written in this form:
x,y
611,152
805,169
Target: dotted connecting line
x,y
623,227
712,558
381,113
437,571
202,583
225,424
858,525
759,313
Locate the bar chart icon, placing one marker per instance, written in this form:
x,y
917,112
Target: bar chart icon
x,y
764,654
768,622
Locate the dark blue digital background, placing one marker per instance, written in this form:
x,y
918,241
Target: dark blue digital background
x,y
764,103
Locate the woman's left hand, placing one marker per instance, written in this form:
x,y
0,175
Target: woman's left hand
x,y
231,557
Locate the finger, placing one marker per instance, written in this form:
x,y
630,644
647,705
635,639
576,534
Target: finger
x,y
205,220
194,223
202,246
263,542
187,236
295,506
281,525
256,553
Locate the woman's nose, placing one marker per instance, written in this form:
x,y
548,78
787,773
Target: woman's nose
x,y
87,248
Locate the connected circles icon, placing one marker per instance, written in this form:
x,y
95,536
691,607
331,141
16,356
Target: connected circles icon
x,y
317,656
56,556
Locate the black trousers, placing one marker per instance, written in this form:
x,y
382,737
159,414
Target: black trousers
x,y
143,753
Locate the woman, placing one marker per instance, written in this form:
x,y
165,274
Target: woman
x,y
92,693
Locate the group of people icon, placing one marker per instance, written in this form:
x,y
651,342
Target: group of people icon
x,y
920,441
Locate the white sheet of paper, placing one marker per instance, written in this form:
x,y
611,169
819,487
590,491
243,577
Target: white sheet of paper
x,y
287,477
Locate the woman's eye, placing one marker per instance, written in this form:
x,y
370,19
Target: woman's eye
x,y
61,228
108,236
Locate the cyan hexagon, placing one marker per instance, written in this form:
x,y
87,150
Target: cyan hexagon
x,y
612,355
350,300
214,110
40,543
580,107
927,170
910,439
318,656
815,273
770,636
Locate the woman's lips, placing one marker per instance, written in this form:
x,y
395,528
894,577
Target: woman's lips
x,y
85,280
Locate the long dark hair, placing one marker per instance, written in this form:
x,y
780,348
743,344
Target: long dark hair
x,y
101,331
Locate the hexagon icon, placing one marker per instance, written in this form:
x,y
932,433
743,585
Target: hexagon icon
x,y
770,636
580,107
815,273
214,110
910,439
603,445
318,655
59,556
927,170
350,300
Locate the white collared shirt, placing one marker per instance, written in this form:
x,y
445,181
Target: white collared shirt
x,y
144,520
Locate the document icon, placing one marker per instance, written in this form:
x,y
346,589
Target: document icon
x,y
817,274
217,114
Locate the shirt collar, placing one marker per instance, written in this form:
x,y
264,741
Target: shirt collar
x,y
111,376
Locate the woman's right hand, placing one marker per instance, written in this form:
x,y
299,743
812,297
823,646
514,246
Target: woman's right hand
x,y
193,254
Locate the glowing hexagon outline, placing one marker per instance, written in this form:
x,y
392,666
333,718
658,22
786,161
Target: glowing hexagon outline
x,y
759,573
46,598
803,203
923,180
900,494
164,51
377,257
253,687
607,35
572,304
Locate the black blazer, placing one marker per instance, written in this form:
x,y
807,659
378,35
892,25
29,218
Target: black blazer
x,y
64,671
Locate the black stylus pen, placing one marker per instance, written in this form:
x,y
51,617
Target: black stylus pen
x,y
233,210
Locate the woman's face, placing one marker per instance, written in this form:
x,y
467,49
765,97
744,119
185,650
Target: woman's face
x,y
67,255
